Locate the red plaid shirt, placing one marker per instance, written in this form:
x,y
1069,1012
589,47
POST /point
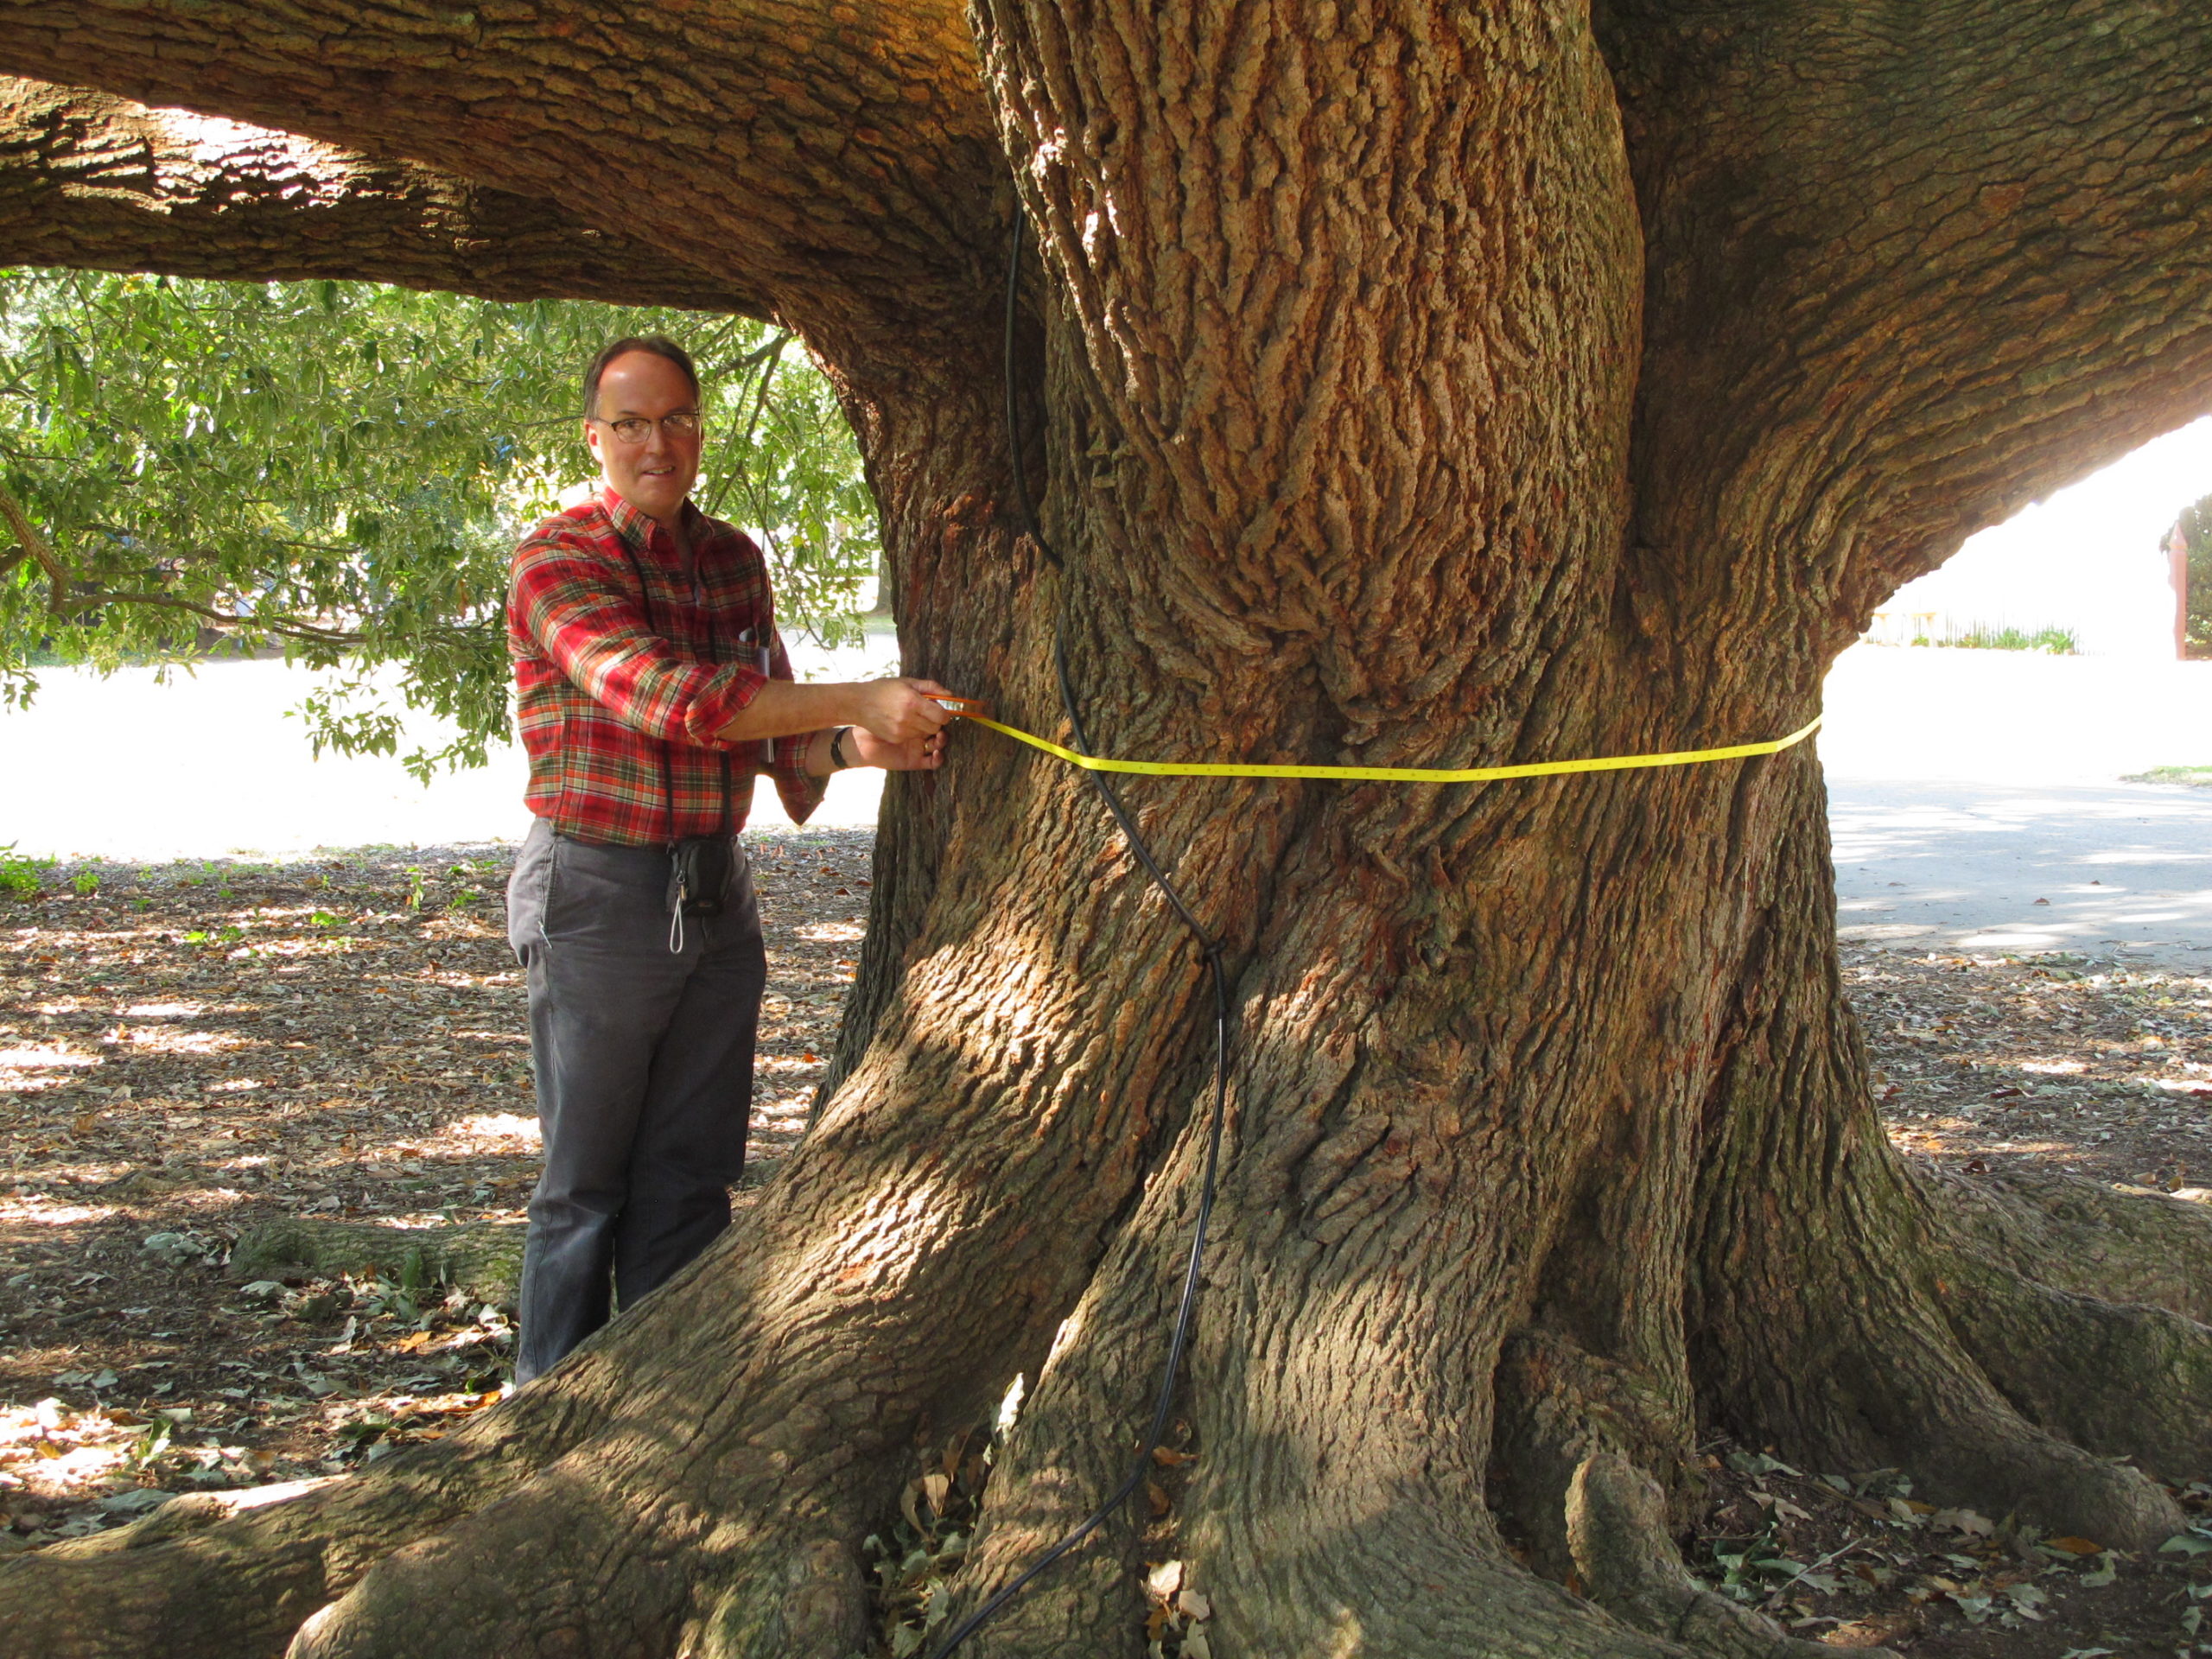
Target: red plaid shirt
x,y
608,695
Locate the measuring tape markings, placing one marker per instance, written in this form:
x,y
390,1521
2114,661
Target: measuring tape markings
x,y
969,709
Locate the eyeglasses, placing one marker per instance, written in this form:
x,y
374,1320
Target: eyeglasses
x,y
636,429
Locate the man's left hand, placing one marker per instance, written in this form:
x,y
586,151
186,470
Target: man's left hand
x,y
915,754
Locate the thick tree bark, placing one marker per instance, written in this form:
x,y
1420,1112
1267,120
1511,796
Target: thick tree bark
x,y
1410,384
834,158
98,183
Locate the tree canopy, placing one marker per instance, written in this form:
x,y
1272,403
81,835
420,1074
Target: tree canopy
x,y
341,469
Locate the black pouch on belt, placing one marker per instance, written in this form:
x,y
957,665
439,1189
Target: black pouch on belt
x,y
703,870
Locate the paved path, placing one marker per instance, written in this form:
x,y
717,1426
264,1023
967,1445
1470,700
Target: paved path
x,y
2118,871
1964,786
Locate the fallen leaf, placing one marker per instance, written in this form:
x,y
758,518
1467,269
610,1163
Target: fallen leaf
x,y
1169,1457
1165,1580
1964,1521
1155,1499
2074,1546
1191,1604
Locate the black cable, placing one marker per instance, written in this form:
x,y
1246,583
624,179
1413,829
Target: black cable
x,y
1209,947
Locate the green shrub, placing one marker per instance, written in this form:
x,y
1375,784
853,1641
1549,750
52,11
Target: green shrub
x,y
2059,642
19,874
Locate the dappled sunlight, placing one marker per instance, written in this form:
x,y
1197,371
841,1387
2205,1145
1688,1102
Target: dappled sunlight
x,y
503,1132
189,1053
1990,868
874,1247
2107,1071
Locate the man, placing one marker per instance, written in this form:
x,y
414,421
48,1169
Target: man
x,y
652,686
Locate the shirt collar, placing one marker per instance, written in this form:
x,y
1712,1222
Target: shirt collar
x,y
642,533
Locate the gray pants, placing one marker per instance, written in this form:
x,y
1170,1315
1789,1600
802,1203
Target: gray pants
x,y
644,1062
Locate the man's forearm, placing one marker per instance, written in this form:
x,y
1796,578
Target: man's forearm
x,y
780,708
816,759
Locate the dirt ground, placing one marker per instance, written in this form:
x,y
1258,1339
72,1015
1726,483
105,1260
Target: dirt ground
x,y
189,1053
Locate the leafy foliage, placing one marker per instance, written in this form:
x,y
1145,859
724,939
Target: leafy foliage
x,y
342,469
2196,527
1982,636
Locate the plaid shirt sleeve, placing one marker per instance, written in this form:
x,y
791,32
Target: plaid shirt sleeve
x,y
800,791
581,614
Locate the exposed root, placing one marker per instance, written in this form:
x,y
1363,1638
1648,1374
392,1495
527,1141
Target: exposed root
x,y
231,1576
648,1540
1882,1363
2125,1381
483,1258
2077,1235
1576,1437
1617,1532
1911,1368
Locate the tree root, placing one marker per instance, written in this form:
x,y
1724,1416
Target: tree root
x,y
2125,1381
232,1575
1617,1531
1576,1438
483,1258
2083,1236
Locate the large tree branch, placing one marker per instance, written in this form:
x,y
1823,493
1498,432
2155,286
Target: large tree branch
x,y
1909,268
93,181
835,159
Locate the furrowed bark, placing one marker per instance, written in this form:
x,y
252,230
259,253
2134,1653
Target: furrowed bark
x,y
2084,1236
1912,269
1873,1373
228,1576
94,182
831,159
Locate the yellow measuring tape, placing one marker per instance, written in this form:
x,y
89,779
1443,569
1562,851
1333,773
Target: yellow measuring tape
x,y
1397,774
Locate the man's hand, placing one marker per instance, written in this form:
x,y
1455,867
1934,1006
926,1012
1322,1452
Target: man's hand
x,y
898,712
915,754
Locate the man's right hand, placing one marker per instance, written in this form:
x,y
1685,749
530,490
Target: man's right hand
x,y
899,711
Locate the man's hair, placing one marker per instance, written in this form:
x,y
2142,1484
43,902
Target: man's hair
x,y
658,344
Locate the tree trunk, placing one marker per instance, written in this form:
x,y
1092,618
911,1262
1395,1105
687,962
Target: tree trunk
x,y
1409,384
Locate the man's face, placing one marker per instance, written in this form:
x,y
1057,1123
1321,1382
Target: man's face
x,y
654,476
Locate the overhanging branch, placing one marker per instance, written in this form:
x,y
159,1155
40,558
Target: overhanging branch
x,y
837,160
92,182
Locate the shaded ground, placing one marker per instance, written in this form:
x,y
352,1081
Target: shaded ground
x,y
189,1051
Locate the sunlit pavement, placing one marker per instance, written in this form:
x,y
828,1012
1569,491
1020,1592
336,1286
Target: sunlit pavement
x,y
1964,786
2123,871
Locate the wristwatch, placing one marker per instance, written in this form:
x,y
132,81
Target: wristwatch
x,y
838,761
